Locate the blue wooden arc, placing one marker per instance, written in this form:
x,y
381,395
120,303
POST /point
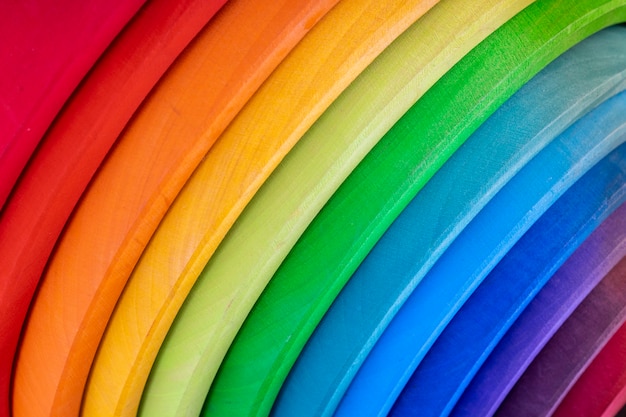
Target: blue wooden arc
x,y
544,107
472,334
544,315
475,252
569,352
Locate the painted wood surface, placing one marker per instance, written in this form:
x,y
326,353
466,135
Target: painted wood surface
x,y
315,270
187,186
533,117
48,47
498,301
544,315
326,61
282,208
568,353
600,388
134,187
76,144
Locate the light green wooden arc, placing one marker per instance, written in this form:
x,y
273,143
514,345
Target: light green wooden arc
x,y
303,182
381,186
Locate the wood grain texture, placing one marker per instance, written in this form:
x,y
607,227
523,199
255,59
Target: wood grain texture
x,y
124,203
603,380
76,144
497,302
316,268
323,64
295,192
565,357
48,47
529,120
465,263
544,315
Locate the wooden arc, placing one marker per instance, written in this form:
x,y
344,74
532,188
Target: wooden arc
x,y
600,385
76,144
324,63
277,215
316,268
568,353
48,48
544,315
506,291
544,106
126,200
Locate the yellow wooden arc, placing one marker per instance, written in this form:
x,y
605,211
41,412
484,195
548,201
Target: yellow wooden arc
x,y
336,50
167,138
277,215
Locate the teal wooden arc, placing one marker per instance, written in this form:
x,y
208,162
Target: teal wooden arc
x,y
534,116
498,301
381,186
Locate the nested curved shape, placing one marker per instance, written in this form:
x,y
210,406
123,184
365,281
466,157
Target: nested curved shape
x,y
124,203
292,195
75,145
48,47
570,213
599,390
313,273
568,353
525,124
544,315
306,82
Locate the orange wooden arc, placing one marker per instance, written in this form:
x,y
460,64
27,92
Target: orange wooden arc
x,y
345,41
167,138
76,144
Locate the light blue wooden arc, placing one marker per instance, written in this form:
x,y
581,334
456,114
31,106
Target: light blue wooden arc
x,y
498,301
544,315
516,132
477,250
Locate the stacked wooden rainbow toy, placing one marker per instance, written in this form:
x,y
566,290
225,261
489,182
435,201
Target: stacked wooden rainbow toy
x,y
312,208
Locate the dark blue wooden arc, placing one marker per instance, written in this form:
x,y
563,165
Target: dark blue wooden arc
x,y
543,316
570,351
512,136
472,334
485,241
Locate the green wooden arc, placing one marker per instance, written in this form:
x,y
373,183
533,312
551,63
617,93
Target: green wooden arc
x,y
282,209
381,186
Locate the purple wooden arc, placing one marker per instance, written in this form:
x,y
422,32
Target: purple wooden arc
x,y
559,364
600,252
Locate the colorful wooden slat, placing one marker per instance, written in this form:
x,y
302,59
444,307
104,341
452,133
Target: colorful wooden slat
x,y
602,382
285,204
48,46
228,198
76,144
142,174
327,59
465,183
544,315
286,313
471,335
565,357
